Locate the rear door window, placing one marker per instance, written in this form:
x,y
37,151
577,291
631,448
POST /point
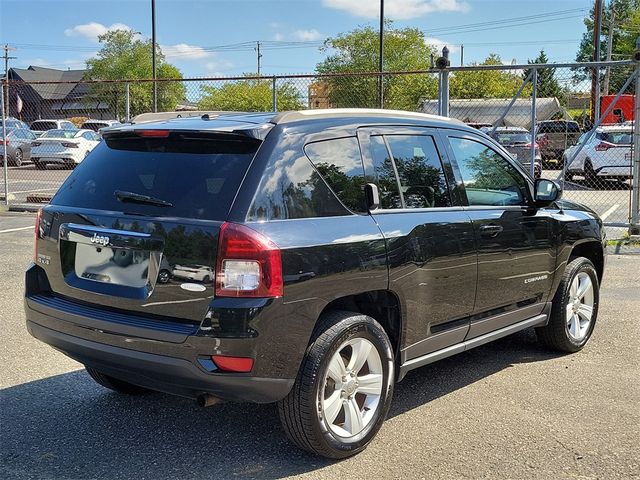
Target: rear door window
x,y
197,174
422,180
43,125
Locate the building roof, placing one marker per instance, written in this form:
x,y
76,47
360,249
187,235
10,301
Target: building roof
x,y
52,91
489,110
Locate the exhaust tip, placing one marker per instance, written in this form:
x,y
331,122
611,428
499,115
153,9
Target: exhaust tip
x,y
207,400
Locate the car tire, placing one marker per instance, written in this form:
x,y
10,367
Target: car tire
x,y
327,391
590,176
574,309
18,158
206,279
115,384
164,276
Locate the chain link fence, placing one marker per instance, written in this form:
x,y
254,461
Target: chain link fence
x,y
542,115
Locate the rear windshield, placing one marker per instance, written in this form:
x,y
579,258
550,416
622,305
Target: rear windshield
x,y
558,127
94,126
197,174
59,134
617,138
43,125
511,138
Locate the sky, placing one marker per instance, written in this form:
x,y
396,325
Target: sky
x,y
217,37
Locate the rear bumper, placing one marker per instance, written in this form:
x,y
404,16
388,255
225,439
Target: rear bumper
x,y
620,171
162,353
167,374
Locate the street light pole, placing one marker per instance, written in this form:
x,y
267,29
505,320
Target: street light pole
x,y
381,58
153,55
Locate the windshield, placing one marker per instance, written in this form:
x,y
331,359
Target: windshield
x,y
59,134
198,175
95,126
510,138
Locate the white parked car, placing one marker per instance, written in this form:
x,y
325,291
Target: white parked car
x,y
607,155
63,147
198,273
40,126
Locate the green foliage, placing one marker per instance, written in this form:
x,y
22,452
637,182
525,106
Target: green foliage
x,y
548,85
123,56
486,83
357,51
626,30
250,95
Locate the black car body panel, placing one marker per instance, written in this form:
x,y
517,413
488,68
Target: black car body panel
x,y
440,273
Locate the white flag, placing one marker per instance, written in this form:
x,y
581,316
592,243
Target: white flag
x,y
18,104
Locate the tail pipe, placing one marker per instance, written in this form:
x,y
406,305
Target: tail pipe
x,y
207,400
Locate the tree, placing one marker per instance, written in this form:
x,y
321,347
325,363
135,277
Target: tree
x,y
123,56
625,31
251,95
485,83
548,85
357,51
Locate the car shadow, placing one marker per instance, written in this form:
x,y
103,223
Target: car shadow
x,y
66,426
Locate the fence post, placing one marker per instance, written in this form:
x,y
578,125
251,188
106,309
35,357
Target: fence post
x,y
534,95
443,88
5,158
635,181
274,94
127,103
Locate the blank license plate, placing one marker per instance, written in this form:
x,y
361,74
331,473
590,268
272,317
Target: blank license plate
x,y
119,266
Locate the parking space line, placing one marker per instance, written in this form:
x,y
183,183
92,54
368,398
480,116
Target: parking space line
x,y
606,214
30,227
36,190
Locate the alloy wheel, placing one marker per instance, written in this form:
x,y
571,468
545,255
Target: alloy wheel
x,y
352,388
579,309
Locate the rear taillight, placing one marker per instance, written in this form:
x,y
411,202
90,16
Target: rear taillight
x,y
248,264
69,145
528,145
603,147
4,142
37,235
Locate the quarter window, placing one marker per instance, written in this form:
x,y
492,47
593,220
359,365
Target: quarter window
x,y
488,178
339,162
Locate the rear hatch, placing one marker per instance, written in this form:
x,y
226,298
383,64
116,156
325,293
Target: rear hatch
x,y
143,202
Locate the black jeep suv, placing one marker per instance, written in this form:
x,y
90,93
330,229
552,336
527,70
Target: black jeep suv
x,y
310,259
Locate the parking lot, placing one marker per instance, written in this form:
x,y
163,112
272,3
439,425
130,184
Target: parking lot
x,y
505,410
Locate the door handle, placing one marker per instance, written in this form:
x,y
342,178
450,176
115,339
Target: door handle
x,y
490,230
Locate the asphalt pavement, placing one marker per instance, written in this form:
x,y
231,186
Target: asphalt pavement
x,y
510,409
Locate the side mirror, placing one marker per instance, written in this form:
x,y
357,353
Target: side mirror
x,y
372,196
546,192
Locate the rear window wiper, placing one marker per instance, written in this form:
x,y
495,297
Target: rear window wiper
x,y
140,198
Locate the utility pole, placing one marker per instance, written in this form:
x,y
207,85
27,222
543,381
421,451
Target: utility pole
x,y
462,55
595,73
259,55
381,58
153,55
607,73
6,57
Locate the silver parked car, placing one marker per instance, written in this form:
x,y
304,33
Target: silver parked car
x,y
517,141
18,141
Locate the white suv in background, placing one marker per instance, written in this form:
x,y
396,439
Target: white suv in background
x,y
607,155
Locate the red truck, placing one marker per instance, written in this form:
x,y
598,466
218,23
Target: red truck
x,y
622,111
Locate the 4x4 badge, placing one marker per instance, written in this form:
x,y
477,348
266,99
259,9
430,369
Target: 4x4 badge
x,y
100,239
